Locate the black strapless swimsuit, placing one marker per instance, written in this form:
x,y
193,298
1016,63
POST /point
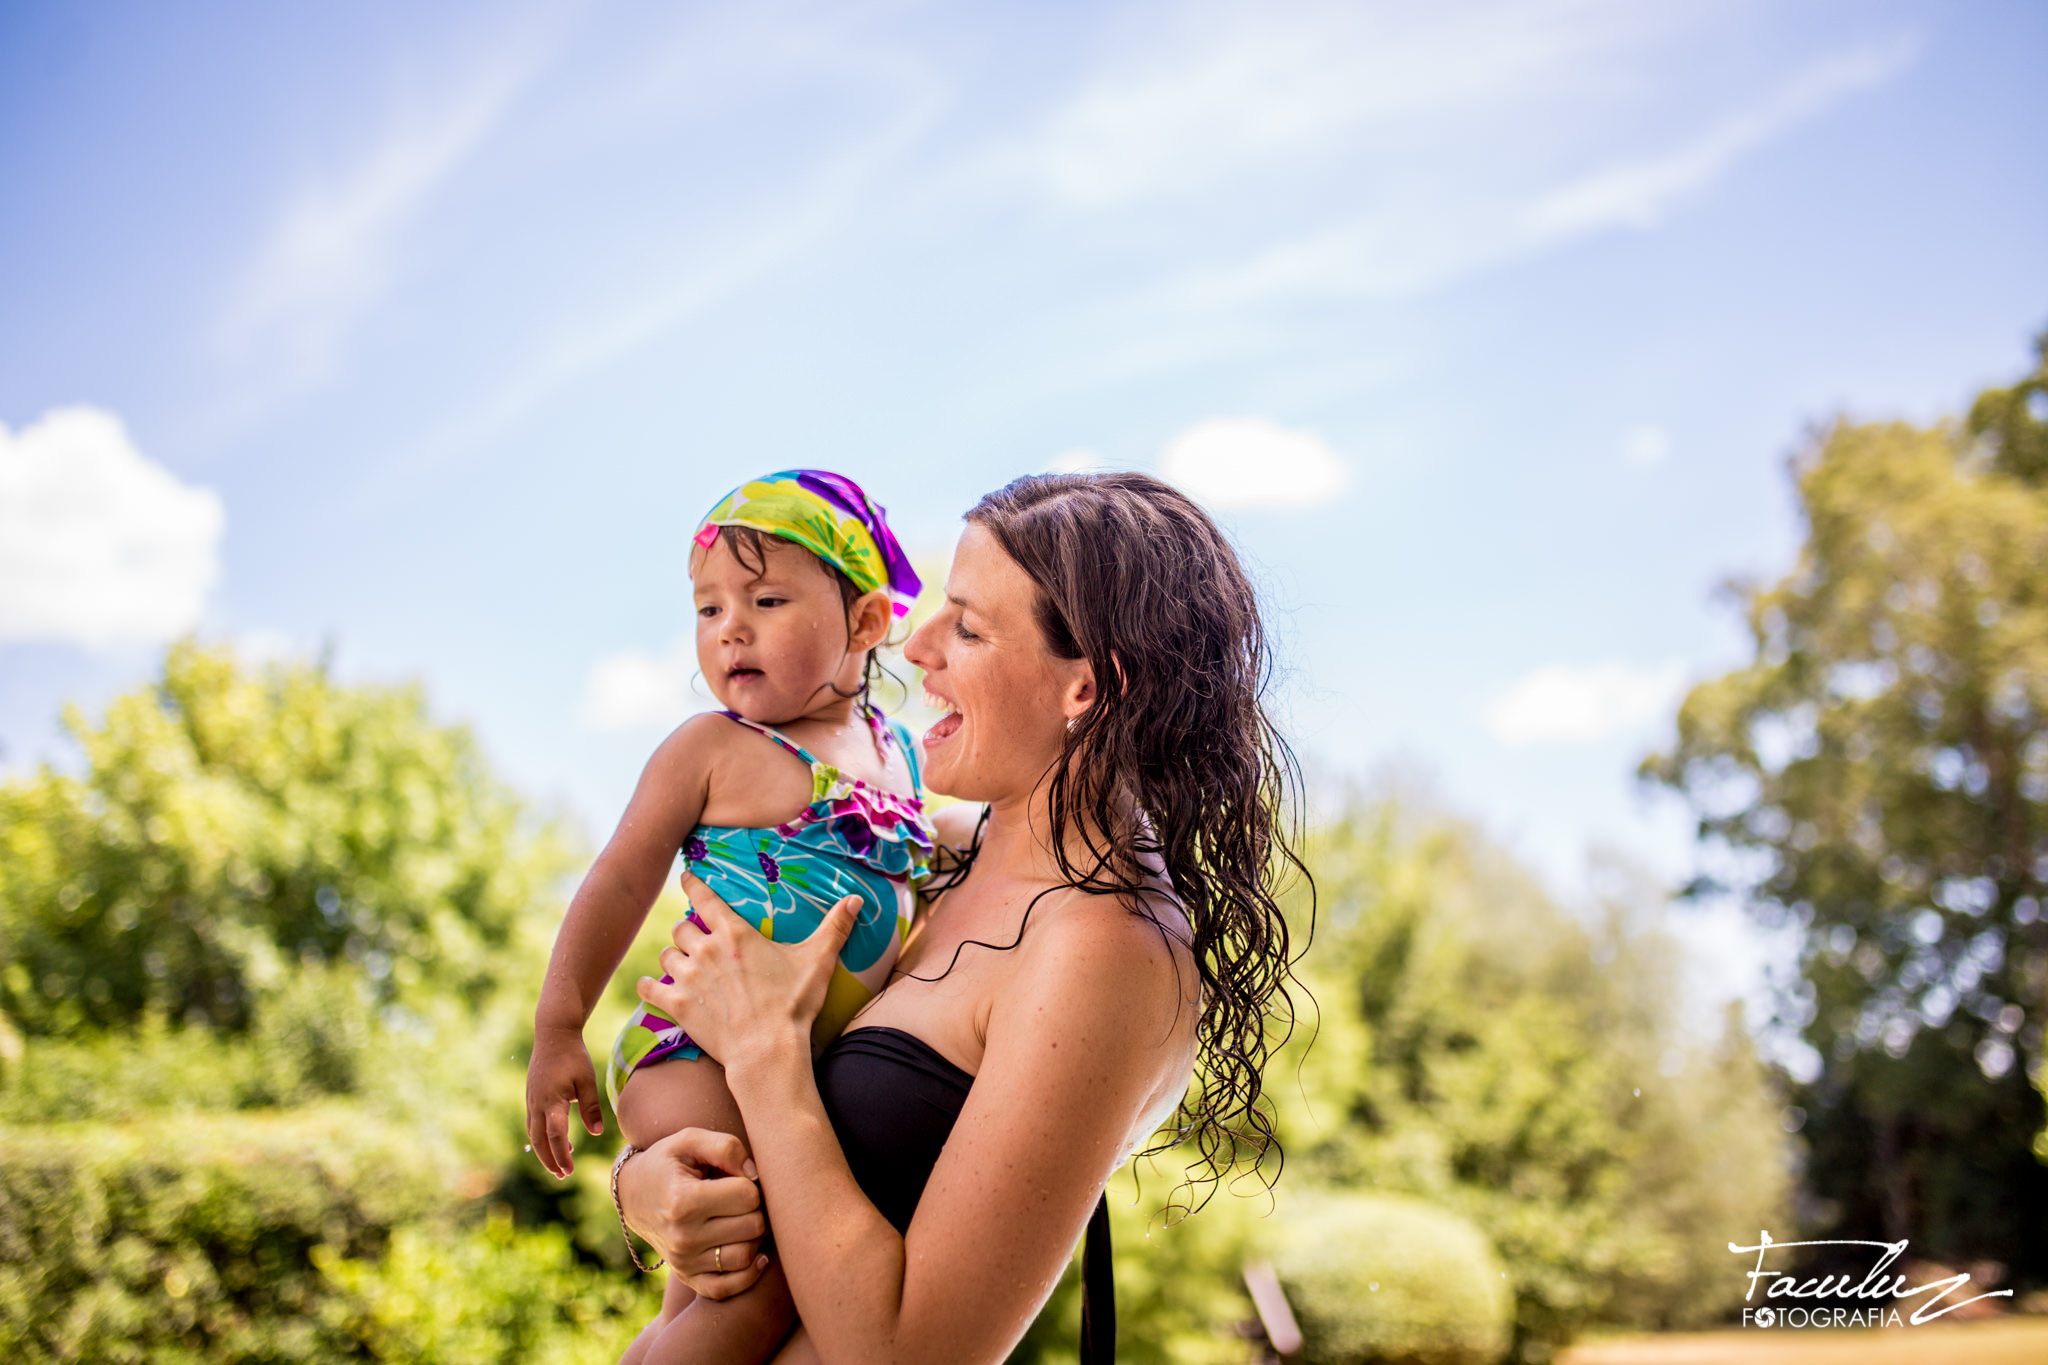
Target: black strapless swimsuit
x,y
893,1101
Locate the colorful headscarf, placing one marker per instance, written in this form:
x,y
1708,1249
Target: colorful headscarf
x,y
828,515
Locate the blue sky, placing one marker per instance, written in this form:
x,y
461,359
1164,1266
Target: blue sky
x,y
428,331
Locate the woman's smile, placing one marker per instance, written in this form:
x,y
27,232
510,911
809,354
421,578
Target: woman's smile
x,y
948,724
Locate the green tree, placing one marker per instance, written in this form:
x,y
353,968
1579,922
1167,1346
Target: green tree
x,y
232,824
1483,1048
310,905
1877,778
1483,1052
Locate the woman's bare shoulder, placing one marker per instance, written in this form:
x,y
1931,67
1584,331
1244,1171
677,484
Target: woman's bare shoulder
x,y
1135,945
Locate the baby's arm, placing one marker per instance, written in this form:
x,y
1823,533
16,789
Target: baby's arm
x,y
602,919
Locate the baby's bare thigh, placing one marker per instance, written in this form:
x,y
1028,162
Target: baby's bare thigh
x,y
670,1096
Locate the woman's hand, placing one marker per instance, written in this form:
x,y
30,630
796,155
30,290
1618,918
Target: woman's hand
x,y
735,992
692,1195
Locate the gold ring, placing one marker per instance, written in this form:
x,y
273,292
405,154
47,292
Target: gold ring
x,y
718,1259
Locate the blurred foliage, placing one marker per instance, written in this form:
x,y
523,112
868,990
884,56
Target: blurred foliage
x,y
267,968
1374,1278
1180,1297
269,961
1483,1050
189,1236
491,1293
233,822
1876,778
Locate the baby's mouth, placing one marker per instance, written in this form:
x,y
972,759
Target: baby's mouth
x,y
742,674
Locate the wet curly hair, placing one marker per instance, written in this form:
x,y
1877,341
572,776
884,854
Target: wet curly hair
x,y
1177,761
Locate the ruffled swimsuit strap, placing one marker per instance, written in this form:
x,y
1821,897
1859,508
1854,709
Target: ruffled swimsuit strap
x,y
899,734
799,751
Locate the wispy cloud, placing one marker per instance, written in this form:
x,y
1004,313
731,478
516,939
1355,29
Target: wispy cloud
x,y
1639,193
1426,235
1194,96
334,251
725,259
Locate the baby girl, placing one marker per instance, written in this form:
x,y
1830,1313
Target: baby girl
x,y
797,795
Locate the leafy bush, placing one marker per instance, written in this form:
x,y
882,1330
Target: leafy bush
x,y
271,893
490,1294
1484,1049
1373,1278
191,1237
314,1037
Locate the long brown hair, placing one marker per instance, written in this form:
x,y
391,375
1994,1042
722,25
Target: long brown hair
x,y
1177,760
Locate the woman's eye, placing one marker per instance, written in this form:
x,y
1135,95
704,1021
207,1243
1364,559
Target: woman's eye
x,y
963,632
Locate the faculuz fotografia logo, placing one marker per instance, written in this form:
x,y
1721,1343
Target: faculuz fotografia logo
x,y
1842,1299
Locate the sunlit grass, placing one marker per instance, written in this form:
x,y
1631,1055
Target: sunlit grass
x,y
1997,1341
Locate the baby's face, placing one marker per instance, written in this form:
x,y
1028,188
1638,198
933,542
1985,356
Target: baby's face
x,y
768,643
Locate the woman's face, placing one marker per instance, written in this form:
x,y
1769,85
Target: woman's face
x,y
1006,696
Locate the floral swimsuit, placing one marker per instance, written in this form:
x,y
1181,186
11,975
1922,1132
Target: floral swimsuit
x,y
852,839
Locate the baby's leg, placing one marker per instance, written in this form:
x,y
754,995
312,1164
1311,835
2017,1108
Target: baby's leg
x,y
743,1330
675,1297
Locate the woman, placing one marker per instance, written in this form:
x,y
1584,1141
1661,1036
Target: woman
x,y
1111,931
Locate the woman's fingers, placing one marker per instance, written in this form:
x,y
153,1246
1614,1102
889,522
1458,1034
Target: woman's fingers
x,y
740,1234
708,1149
715,1286
837,926
711,908
724,1258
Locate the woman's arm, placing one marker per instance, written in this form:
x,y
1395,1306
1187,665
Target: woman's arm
x,y
598,928
1086,1051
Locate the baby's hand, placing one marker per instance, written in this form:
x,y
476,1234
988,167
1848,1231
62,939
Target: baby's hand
x,y
559,1077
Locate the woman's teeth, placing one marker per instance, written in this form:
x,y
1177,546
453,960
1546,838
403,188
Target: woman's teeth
x,y
938,703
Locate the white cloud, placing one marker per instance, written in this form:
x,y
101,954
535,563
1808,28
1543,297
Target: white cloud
x,y
98,544
1646,445
1559,703
1249,462
632,690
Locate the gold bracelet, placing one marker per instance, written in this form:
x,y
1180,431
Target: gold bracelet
x,y
619,1165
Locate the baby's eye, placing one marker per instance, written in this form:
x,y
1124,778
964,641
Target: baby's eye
x,y
707,612
770,601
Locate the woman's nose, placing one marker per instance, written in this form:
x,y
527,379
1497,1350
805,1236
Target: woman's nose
x,y
915,650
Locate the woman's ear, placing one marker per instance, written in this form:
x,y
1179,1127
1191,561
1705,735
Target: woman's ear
x,y
868,620
1079,693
